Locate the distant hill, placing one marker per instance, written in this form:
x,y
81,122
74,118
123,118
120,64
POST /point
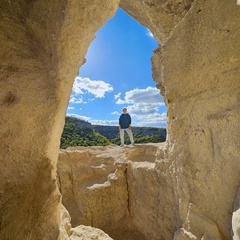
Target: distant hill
x,y
78,122
111,132
78,132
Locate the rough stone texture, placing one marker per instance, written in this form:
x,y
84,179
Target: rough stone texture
x,y
114,189
43,44
160,16
119,190
236,217
90,175
202,58
88,233
197,68
65,228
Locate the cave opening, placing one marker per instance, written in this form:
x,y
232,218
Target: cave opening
x,y
118,73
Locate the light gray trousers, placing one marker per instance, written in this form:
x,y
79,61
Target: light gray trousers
x,y
129,132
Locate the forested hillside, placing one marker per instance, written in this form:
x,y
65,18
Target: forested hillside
x,y
78,132
76,135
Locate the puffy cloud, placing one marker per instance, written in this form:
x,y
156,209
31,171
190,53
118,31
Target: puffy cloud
x,y
76,100
120,101
153,119
143,106
143,109
94,121
104,122
85,118
115,113
116,96
147,113
96,87
149,95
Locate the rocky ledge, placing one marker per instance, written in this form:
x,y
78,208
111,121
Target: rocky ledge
x,y
117,189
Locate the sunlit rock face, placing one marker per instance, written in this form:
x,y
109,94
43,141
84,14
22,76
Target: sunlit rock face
x,y
196,67
202,59
160,16
119,190
43,44
90,233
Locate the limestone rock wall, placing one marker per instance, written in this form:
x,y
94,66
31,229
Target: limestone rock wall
x,y
120,190
89,233
202,58
86,177
159,16
196,67
43,43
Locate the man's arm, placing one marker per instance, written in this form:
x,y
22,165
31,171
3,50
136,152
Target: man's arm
x,y
119,124
130,121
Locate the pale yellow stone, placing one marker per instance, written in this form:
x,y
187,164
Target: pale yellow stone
x,y
196,67
88,233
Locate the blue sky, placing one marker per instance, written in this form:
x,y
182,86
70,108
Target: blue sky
x,y
118,74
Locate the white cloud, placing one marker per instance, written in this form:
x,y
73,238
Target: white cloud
x,y
143,105
105,122
95,121
151,123
151,118
85,118
120,101
149,95
143,109
149,33
146,111
71,108
115,113
116,96
96,87
76,100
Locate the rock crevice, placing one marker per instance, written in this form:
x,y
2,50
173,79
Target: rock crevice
x,y
197,68
131,194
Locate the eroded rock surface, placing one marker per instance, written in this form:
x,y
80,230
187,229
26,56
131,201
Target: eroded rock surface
x,y
119,190
88,233
197,68
43,44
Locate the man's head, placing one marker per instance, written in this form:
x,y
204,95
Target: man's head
x,y
124,110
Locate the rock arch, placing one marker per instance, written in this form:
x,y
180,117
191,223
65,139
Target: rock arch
x,y
197,67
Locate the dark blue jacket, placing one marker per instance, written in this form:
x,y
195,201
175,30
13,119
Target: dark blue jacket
x,y
125,120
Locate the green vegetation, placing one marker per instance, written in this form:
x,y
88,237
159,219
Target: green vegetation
x,y
76,135
150,129
75,120
139,138
78,132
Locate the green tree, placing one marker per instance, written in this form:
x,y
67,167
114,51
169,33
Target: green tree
x,y
76,135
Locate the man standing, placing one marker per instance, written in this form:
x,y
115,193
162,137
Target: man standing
x,y
125,125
